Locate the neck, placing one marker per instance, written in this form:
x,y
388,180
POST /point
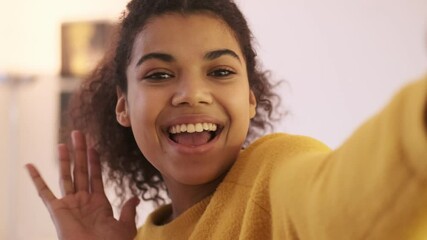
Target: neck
x,y
185,196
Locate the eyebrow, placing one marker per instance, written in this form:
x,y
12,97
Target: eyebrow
x,y
212,55
161,56
218,53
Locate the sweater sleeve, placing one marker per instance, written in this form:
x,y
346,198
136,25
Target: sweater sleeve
x,y
373,187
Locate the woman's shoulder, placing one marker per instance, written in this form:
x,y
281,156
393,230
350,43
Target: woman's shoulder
x,y
264,154
282,144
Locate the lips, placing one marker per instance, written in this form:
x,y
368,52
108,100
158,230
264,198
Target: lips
x,y
193,134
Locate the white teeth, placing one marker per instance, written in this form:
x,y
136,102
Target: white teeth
x,y
191,128
199,127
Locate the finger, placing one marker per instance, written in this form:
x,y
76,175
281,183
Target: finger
x,y
80,161
65,179
129,211
95,172
44,192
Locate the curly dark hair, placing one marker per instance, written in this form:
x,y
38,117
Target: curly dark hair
x,y
92,109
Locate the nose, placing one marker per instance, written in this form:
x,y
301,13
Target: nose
x,y
192,91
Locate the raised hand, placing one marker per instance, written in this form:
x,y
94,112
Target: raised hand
x,y
84,211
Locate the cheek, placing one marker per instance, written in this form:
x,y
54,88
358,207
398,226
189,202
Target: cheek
x,y
145,104
240,103
144,112
141,113
146,136
238,110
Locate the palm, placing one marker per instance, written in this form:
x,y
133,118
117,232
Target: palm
x,y
84,212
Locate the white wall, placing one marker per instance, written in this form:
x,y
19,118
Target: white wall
x,y
342,61
30,43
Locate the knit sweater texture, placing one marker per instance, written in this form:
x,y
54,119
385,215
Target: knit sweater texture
x,y
292,187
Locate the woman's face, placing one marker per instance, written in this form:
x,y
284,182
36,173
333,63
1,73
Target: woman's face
x,y
188,101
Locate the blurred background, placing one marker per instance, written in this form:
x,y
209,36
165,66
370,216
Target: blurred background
x,y
341,61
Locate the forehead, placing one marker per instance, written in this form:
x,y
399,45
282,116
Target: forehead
x,y
175,31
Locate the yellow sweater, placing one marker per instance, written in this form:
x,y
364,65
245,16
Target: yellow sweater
x,y
294,187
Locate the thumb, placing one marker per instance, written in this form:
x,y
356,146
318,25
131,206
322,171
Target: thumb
x,y
129,211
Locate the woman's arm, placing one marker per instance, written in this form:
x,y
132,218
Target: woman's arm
x,y
373,187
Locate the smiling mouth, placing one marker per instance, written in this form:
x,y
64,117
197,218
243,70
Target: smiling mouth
x,y
194,134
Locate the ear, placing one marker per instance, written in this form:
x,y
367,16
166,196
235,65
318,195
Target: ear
x,y
122,113
252,104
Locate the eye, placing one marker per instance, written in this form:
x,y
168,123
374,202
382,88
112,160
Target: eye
x,y
158,76
221,73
